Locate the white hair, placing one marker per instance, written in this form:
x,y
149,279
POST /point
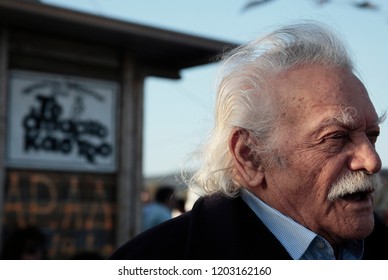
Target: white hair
x,y
244,97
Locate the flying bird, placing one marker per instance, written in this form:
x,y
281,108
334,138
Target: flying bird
x,y
366,5
252,4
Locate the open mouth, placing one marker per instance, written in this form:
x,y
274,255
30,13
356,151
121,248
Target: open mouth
x,y
357,196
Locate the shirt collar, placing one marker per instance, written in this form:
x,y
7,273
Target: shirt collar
x,y
295,238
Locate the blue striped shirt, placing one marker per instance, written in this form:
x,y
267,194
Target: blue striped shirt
x,y
300,242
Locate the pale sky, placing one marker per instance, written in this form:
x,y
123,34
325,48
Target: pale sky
x,y
178,114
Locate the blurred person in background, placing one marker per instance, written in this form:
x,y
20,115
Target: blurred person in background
x,y
159,210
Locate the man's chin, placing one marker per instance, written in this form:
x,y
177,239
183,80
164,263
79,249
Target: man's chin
x,y
360,228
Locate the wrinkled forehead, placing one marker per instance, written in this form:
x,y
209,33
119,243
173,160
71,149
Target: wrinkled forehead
x,y
315,90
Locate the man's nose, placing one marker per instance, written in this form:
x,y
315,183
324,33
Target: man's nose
x,y
365,157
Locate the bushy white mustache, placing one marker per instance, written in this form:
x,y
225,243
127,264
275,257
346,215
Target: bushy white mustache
x,y
353,182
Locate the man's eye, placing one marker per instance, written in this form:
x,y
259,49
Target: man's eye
x,y
337,136
334,142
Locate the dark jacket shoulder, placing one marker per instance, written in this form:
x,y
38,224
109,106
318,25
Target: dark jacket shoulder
x,y
216,228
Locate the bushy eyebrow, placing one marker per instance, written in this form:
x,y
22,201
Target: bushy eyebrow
x,y
345,118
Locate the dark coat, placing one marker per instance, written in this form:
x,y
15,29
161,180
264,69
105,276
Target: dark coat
x,y
222,228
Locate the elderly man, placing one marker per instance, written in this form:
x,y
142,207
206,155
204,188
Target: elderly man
x,y
290,169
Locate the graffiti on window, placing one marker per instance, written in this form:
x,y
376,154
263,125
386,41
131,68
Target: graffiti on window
x,y
75,211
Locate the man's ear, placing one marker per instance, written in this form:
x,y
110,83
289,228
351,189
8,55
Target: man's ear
x,y
246,161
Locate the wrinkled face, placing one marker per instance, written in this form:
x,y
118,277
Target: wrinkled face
x,y
327,133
